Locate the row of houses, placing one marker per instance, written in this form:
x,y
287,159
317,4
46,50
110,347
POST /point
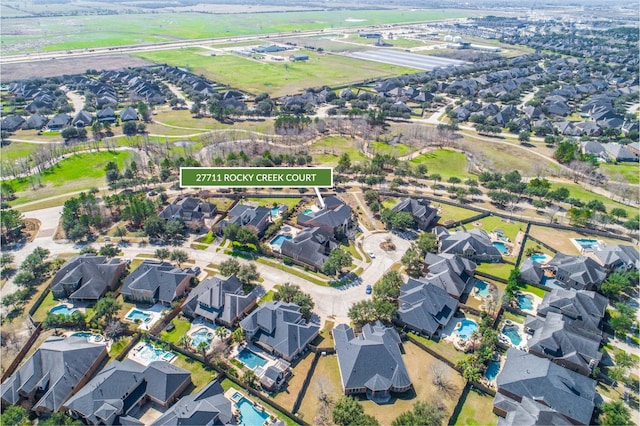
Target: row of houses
x,y
61,121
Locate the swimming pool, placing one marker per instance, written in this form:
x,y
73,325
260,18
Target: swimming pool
x,y
482,288
275,211
279,239
249,414
512,332
493,368
149,354
135,314
62,310
307,211
201,335
525,302
466,328
539,258
251,359
502,247
84,334
586,243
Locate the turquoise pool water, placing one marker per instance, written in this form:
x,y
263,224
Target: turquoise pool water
x,y
483,288
138,315
539,258
249,414
493,368
250,359
502,247
307,211
202,335
466,329
62,310
149,354
84,334
511,331
277,241
524,302
275,211
586,242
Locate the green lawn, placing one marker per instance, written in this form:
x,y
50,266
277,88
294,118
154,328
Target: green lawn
x,y
268,297
275,78
513,317
477,410
329,149
41,313
445,162
509,227
352,249
577,191
181,327
75,173
387,203
631,171
16,150
445,349
397,150
500,270
268,202
201,375
455,213
119,345
293,271
535,290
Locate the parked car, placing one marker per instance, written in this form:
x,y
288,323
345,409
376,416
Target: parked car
x,y
371,254
368,289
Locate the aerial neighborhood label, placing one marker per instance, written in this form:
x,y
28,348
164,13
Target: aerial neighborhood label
x,y
256,177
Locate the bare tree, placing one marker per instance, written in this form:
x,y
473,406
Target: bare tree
x,y
323,415
441,378
114,328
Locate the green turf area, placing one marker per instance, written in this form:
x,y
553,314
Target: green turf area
x,y
64,32
276,78
201,375
500,270
531,289
630,171
41,313
449,212
577,191
293,270
513,317
15,150
443,348
268,202
397,150
75,173
444,162
330,148
268,297
118,346
509,227
181,328
477,410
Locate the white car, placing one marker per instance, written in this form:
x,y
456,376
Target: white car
x,y
371,255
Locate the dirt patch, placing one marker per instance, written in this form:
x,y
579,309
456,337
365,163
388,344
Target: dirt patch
x,y
387,246
31,227
56,67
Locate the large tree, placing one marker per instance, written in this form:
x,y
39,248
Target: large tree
x,y
615,413
291,293
107,307
388,287
337,260
423,414
229,267
248,274
348,411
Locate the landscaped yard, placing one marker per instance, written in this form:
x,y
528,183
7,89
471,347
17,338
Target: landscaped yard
x,y
531,289
455,213
267,297
513,317
477,410
49,302
182,325
560,239
328,150
630,171
268,202
500,270
442,347
326,378
288,395
420,366
118,346
309,276
396,150
201,375
509,227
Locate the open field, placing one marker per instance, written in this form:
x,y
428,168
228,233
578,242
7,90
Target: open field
x,y
15,150
577,191
630,171
329,149
275,78
78,32
445,162
559,239
75,173
449,212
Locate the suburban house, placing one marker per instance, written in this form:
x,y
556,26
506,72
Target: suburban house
x,y
154,281
311,246
49,376
422,213
531,412
526,375
334,216
219,300
474,244
35,122
82,119
618,257
11,123
531,271
87,278
208,407
129,114
564,341
618,152
254,218
298,57
371,363
577,272
586,308
124,385
450,272
107,115
424,307
191,211
59,122
279,328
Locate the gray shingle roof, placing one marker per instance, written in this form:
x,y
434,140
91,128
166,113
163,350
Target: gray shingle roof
x,y
86,277
159,278
531,271
450,272
588,307
206,408
579,272
531,413
614,256
372,359
280,326
425,307
57,366
419,209
476,242
311,246
120,385
218,298
569,393
187,209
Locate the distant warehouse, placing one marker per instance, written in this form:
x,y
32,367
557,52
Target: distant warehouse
x,y
298,57
369,34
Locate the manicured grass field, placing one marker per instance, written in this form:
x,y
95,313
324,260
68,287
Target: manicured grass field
x,y
500,270
75,173
16,150
118,346
201,375
513,317
181,328
442,347
445,162
509,227
477,410
577,191
330,148
48,303
449,212
630,171
90,31
397,150
268,202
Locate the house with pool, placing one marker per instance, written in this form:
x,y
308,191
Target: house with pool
x,y
279,329
450,272
219,300
584,307
87,278
618,257
526,375
425,307
254,218
311,246
207,407
334,216
371,363
474,245
121,387
156,282
54,371
576,272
